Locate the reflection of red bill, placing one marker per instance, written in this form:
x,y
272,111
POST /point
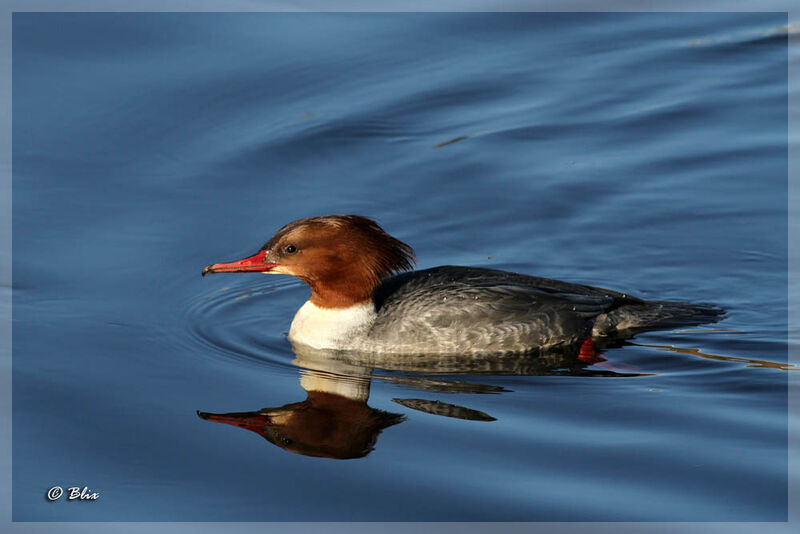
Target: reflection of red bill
x,y
248,420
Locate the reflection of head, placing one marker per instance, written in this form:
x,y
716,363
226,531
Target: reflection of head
x,y
323,425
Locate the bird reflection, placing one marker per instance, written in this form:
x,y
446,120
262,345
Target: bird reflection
x,y
324,425
335,421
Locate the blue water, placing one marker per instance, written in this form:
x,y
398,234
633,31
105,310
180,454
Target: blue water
x,y
641,152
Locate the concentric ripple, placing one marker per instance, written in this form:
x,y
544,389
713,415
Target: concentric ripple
x,y
245,320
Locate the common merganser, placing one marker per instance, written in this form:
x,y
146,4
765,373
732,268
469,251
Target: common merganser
x,y
363,300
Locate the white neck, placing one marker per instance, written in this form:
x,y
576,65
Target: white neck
x,y
331,328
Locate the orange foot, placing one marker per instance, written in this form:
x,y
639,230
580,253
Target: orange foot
x,y
588,353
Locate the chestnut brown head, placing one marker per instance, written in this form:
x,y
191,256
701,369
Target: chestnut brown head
x,y
341,257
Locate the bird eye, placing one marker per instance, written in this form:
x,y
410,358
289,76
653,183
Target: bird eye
x,y
290,249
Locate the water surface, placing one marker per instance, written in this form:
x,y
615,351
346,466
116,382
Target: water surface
x,y
645,153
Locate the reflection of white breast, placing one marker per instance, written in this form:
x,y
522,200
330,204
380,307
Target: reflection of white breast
x,y
331,328
344,386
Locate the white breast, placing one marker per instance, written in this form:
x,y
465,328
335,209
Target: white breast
x,y
331,328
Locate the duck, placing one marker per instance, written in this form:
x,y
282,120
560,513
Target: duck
x,y
367,297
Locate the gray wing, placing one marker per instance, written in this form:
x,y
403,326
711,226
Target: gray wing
x,y
445,308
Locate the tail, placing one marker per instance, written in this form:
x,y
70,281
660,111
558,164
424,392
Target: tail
x,y
655,315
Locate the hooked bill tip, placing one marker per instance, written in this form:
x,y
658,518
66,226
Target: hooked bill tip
x,y
207,270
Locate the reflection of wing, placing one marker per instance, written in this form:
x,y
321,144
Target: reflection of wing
x,y
444,409
444,385
487,309
360,364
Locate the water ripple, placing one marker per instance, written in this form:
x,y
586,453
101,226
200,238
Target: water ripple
x,y
243,322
